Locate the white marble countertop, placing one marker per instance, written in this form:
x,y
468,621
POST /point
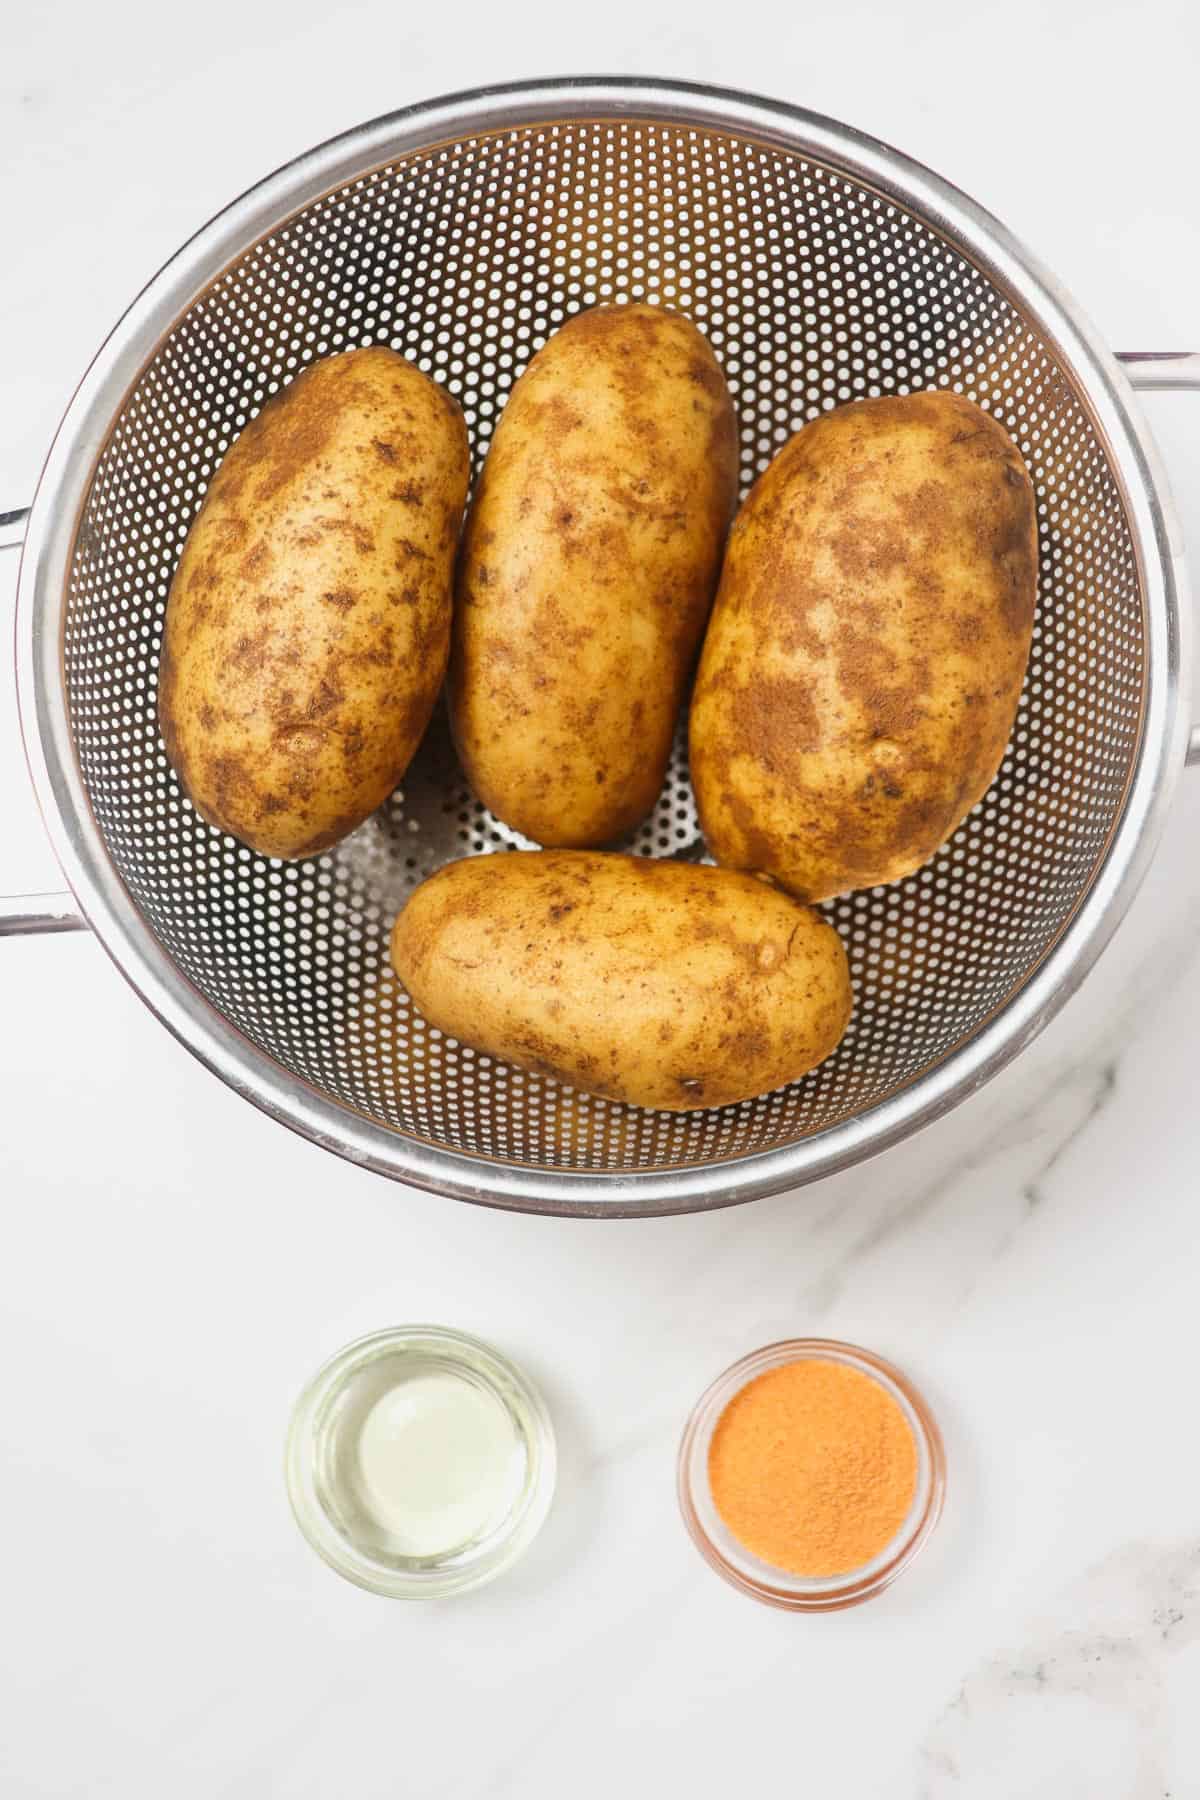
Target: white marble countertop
x,y
174,1265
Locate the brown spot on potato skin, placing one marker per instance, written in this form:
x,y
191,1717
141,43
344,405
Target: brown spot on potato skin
x,y
167,685
554,417
327,699
361,539
353,743
774,717
249,652
705,375
884,565
586,573
230,782
291,433
289,709
747,1046
759,846
256,561
865,550
657,983
331,834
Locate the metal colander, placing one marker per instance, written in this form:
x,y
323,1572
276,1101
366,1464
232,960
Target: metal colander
x,y
822,268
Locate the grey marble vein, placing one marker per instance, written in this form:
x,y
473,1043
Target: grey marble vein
x,y
1081,1710
1043,1113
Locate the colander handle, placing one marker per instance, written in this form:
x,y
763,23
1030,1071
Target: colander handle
x,y
32,912
12,529
1158,371
1164,371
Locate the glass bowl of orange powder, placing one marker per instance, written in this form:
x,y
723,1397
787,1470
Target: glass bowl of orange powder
x,y
810,1474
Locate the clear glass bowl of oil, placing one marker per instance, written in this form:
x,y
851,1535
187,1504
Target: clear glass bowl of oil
x,y
420,1462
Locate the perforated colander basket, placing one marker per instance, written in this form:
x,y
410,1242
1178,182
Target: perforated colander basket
x,y
823,267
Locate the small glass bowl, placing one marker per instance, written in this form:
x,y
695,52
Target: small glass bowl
x,y
321,1444
779,1587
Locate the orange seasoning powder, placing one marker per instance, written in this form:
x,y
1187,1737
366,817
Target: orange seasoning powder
x,y
813,1467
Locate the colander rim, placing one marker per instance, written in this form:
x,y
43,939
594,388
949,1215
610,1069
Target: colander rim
x,y
214,1040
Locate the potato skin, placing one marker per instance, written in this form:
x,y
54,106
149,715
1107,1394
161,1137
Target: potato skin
x,y
308,623
664,984
588,567
860,676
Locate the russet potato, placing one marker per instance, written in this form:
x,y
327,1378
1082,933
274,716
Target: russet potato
x,y
862,668
308,623
588,566
660,983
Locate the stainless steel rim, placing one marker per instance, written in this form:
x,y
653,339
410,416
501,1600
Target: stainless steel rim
x,y
117,921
